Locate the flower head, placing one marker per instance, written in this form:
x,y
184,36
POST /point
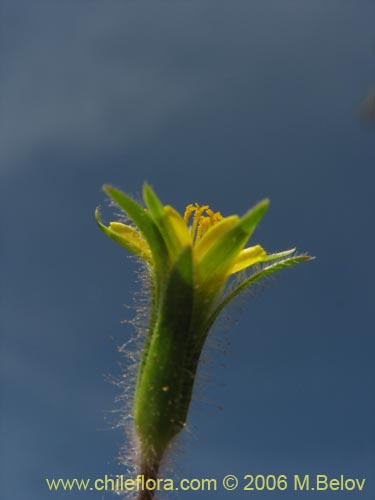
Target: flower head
x,y
217,243
190,259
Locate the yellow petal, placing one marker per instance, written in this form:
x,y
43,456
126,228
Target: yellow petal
x,y
214,233
177,229
248,257
131,239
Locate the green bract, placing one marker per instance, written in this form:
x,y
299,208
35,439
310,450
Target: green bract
x,y
190,260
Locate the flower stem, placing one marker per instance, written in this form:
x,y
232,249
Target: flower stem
x,y
148,472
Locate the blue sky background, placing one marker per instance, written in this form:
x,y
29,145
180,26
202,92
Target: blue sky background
x,y
212,101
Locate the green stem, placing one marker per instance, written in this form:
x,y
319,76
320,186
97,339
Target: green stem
x,y
159,405
148,472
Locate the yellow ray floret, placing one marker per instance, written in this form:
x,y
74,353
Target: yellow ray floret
x,y
177,226
213,233
248,257
132,236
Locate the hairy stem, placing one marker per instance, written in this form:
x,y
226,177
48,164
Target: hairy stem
x,y
148,472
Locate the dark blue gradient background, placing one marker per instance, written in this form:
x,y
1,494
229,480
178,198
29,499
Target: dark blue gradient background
x,y
212,101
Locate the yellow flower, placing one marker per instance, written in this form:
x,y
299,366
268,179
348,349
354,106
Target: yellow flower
x,y
200,234
217,242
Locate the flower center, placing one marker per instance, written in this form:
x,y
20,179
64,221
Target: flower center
x,y
203,219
